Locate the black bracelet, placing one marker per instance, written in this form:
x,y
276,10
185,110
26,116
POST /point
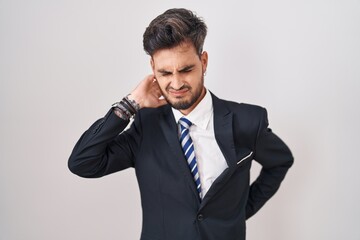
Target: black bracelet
x,y
125,109
134,104
128,106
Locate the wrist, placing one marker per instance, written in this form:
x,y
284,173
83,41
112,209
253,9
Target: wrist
x,y
137,99
126,108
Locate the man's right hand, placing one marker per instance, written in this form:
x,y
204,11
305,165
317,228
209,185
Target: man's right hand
x,y
148,93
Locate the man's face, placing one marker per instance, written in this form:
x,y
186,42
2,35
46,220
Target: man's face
x,y
180,74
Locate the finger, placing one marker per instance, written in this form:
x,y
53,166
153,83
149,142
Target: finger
x,y
156,88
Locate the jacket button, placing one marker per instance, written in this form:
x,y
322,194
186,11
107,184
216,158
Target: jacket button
x,y
200,217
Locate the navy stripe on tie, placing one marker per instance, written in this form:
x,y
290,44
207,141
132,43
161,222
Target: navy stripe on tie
x,y
189,151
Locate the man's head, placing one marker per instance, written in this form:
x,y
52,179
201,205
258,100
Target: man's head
x,y
173,27
174,40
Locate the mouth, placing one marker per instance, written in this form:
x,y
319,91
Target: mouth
x,y
178,93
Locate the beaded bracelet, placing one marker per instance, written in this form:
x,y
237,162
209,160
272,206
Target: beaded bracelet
x,y
121,111
126,108
133,104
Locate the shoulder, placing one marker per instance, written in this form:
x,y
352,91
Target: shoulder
x,y
155,111
236,108
153,114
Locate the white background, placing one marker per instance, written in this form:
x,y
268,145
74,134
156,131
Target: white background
x,y
63,63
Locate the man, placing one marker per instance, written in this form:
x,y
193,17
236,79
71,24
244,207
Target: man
x,y
191,151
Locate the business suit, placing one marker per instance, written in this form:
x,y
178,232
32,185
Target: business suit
x,y
171,206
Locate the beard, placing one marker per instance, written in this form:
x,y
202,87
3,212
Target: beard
x,y
185,104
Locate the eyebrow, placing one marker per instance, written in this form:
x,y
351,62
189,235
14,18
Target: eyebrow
x,y
163,71
184,69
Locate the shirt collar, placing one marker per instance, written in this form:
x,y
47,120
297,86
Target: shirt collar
x,y
201,114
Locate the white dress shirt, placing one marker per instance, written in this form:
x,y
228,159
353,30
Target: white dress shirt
x,y
210,160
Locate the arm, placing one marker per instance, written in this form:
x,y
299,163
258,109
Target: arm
x,y
101,150
276,158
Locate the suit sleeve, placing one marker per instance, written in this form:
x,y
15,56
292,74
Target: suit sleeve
x,y
104,148
276,158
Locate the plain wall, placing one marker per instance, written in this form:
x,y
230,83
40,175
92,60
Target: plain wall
x,y
63,63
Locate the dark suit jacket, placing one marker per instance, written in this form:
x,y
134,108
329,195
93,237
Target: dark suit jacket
x,y
171,207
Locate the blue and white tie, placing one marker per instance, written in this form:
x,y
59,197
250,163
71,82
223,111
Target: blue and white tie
x,y
188,149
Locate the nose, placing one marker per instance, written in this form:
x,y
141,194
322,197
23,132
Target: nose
x,y
176,82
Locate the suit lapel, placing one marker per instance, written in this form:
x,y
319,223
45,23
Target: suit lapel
x,y
223,127
170,130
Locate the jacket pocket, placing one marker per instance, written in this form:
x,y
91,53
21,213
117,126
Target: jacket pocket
x,y
245,158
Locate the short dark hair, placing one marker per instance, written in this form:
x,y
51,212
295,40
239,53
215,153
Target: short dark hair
x,y
172,28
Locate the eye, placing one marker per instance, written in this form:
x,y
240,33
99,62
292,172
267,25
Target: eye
x,y
187,70
165,74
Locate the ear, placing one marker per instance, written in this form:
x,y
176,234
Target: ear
x,y
204,60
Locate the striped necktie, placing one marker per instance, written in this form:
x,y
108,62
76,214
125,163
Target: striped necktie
x,y
188,149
